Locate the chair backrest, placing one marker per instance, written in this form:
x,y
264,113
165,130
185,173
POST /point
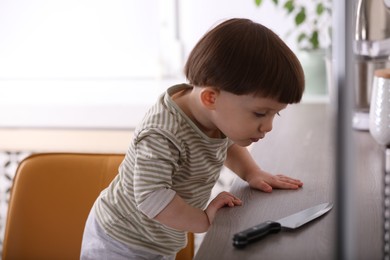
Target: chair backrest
x,y
50,200
51,197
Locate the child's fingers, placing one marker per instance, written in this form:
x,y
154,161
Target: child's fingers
x,y
289,180
235,202
229,199
285,182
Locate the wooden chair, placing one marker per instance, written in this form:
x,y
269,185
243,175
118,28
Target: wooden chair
x,y
51,197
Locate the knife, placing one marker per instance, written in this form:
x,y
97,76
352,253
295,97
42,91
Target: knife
x,y
250,235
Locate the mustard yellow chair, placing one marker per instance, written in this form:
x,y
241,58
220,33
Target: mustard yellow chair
x,y
51,197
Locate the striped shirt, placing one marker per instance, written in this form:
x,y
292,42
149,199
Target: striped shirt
x,y
168,155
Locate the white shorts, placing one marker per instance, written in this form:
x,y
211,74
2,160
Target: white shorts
x,y
98,245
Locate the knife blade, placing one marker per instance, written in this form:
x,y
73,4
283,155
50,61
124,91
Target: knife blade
x,y
250,235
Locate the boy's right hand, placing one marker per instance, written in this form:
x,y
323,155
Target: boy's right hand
x,y
223,199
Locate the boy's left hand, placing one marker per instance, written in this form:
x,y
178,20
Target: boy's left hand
x,y
265,181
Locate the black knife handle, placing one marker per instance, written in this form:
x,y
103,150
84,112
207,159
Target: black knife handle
x,y
250,235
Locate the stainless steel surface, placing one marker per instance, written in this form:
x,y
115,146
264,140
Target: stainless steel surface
x,y
345,239
302,217
371,48
364,75
372,28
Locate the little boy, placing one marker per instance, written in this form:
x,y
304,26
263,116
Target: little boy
x,y
240,76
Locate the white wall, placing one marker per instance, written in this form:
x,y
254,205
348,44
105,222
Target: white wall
x,y
199,16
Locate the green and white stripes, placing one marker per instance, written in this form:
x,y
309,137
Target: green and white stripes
x,y
168,155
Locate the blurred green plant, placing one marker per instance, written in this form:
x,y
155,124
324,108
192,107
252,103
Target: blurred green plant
x,y
312,20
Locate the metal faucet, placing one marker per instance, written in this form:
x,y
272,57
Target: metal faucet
x,y
372,32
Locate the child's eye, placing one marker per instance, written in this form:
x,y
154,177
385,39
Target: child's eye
x,y
278,113
259,114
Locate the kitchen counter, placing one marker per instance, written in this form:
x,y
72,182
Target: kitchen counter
x,y
302,146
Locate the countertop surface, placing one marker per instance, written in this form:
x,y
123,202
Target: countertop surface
x,y
302,146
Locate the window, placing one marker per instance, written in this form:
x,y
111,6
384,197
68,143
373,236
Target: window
x,y
100,63
90,54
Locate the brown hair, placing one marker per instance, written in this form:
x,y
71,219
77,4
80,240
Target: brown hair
x,y
244,57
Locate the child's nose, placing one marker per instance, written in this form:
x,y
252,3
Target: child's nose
x,y
266,125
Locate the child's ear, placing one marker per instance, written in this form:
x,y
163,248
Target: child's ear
x,y
208,97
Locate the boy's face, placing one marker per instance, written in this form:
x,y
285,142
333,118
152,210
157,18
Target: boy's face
x,y
244,118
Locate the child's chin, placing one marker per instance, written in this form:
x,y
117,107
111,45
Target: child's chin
x,y
244,143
